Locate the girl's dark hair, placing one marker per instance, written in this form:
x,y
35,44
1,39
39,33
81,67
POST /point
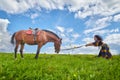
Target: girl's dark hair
x,y
98,37
100,43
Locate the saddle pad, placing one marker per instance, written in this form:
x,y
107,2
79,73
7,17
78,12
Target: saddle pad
x,y
29,32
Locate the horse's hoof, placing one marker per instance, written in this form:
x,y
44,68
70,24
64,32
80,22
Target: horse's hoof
x,y
36,57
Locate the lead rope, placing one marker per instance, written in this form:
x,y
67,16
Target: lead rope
x,y
73,48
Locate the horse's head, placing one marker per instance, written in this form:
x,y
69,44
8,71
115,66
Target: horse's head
x,y
58,45
52,37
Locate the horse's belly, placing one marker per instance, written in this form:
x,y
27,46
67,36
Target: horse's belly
x,y
29,39
31,43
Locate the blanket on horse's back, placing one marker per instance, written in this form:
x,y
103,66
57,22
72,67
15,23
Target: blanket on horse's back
x,y
31,32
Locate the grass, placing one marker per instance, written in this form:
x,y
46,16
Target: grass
x,y
58,67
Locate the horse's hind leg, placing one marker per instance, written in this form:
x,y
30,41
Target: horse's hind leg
x,y
15,50
21,50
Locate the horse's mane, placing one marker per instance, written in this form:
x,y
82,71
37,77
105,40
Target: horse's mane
x,y
51,33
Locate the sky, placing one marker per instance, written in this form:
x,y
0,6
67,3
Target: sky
x,y
75,21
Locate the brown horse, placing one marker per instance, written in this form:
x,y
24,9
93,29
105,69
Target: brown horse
x,y
44,36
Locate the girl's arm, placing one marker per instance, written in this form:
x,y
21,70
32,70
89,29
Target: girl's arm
x,y
89,44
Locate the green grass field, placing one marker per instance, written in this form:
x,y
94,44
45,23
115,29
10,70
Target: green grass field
x,y
58,67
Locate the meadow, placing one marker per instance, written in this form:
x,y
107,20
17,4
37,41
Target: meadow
x,y
58,67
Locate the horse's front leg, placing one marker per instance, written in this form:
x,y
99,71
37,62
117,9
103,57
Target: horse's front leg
x,y
38,49
21,49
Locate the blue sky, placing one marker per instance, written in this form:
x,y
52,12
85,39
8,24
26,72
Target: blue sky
x,y
75,21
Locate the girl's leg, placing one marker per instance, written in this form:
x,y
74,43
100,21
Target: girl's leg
x,y
108,55
99,54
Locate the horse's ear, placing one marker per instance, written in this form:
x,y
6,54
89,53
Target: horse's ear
x,y
61,40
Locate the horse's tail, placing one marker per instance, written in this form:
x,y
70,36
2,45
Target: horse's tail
x,y
12,38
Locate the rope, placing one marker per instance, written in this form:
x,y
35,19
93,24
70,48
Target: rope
x,y
72,48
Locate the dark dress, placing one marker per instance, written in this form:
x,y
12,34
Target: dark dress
x,y
104,51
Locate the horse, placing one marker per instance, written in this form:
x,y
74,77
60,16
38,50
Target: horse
x,y
42,37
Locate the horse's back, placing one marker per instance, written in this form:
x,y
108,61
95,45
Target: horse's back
x,y
24,32
28,37
18,35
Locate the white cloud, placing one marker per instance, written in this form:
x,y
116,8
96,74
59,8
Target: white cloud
x,y
115,30
14,6
62,34
21,6
5,44
110,7
61,29
98,25
75,36
70,30
35,15
117,18
93,30
67,34
100,7
80,14
88,40
102,32
3,25
82,9
107,31
103,22
113,39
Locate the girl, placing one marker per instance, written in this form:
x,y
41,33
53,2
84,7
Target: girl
x,y
104,51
